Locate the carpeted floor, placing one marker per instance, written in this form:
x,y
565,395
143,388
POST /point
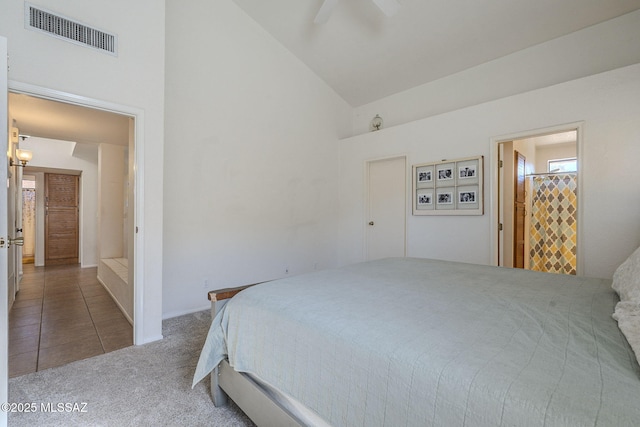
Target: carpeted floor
x,y
147,385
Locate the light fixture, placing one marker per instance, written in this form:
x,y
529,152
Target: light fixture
x,y
376,123
24,156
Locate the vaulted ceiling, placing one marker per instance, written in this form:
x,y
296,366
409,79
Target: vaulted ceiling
x,y
365,55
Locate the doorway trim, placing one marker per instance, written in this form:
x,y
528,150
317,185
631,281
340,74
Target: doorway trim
x,y
495,190
138,166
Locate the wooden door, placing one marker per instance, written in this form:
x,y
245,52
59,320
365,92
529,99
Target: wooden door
x,y
386,227
61,219
519,210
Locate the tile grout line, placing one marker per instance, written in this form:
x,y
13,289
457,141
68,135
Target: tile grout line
x,y
44,284
39,332
49,282
76,283
92,320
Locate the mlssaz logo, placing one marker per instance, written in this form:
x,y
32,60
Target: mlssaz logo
x,y
63,407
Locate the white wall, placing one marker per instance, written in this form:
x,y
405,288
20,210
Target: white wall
x,y
251,171
608,105
603,47
56,154
112,223
544,153
112,176
135,78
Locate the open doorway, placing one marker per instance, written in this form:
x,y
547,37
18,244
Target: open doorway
x,y
29,218
538,201
81,142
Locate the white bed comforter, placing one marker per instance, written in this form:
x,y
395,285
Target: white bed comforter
x,y
415,342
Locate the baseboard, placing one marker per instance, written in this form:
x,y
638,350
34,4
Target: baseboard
x,y
152,339
185,312
88,265
129,319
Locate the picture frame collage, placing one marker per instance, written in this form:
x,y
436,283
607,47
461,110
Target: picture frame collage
x,y
449,187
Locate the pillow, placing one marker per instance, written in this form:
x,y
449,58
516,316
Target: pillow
x,y
626,279
628,316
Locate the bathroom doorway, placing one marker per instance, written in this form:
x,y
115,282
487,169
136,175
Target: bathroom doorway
x,y
538,202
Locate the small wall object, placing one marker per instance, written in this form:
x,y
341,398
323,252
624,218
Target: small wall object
x,y
449,187
376,123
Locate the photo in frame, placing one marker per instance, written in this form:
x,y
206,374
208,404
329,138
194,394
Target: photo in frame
x,y
424,199
467,197
449,187
467,172
445,173
424,177
445,198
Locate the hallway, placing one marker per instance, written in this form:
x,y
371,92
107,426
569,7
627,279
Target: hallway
x,y
62,314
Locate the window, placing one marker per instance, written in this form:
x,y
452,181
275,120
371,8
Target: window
x,y
563,165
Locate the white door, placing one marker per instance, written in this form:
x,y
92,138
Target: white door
x,y
386,223
18,221
4,289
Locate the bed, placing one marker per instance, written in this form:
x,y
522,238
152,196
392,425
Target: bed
x,y
419,342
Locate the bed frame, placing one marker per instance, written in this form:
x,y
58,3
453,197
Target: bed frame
x,y
249,396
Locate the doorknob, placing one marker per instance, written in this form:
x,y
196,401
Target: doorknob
x,y
370,222
18,241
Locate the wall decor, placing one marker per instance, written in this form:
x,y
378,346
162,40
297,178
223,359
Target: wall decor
x,y
376,123
449,187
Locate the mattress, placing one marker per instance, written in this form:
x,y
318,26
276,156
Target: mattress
x,y
414,342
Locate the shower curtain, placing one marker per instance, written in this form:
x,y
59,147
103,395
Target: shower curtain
x,y
29,221
553,229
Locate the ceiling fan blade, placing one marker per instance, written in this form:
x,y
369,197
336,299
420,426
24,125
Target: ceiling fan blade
x,y
325,11
388,7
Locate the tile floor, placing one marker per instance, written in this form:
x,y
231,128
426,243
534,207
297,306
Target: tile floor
x,y
62,314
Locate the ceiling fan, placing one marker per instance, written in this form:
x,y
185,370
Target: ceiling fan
x,y
388,7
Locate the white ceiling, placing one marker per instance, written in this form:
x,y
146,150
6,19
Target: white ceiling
x,y
57,120
570,137
364,55
361,53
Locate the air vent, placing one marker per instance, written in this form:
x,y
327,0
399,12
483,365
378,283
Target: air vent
x,y
67,29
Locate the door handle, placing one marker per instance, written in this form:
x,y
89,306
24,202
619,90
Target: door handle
x,y
18,241
370,222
